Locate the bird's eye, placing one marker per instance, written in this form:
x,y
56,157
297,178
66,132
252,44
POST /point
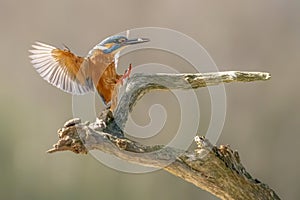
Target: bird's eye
x,y
121,40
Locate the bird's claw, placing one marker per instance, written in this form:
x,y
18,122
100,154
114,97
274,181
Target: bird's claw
x,y
125,75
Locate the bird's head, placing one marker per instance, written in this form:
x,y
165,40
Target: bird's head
x,y
116,43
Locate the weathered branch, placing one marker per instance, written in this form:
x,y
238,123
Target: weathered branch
x,y
140,84
216,170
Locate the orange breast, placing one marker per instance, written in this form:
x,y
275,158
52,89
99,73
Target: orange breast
x,y
104,75
107,83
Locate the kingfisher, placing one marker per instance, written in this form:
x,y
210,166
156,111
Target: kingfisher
x,y
80,75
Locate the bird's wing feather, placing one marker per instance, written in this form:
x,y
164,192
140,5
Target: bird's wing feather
x,y
60,68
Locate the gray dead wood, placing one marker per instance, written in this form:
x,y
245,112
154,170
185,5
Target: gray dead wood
x,y
217,170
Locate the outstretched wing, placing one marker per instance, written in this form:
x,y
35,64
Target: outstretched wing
x,y
61,68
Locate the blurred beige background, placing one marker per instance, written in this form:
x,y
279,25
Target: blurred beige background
x,y
262,118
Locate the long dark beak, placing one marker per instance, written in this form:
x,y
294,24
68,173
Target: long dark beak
x,y
136,41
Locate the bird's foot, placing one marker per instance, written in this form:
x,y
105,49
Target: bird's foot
x,y
127,72
125,75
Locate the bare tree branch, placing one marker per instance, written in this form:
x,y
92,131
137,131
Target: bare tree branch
x,y
216,170
140,84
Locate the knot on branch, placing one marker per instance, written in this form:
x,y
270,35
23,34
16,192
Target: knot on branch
x,y
107,123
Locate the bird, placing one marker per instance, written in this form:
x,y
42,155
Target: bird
x,y
80,75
